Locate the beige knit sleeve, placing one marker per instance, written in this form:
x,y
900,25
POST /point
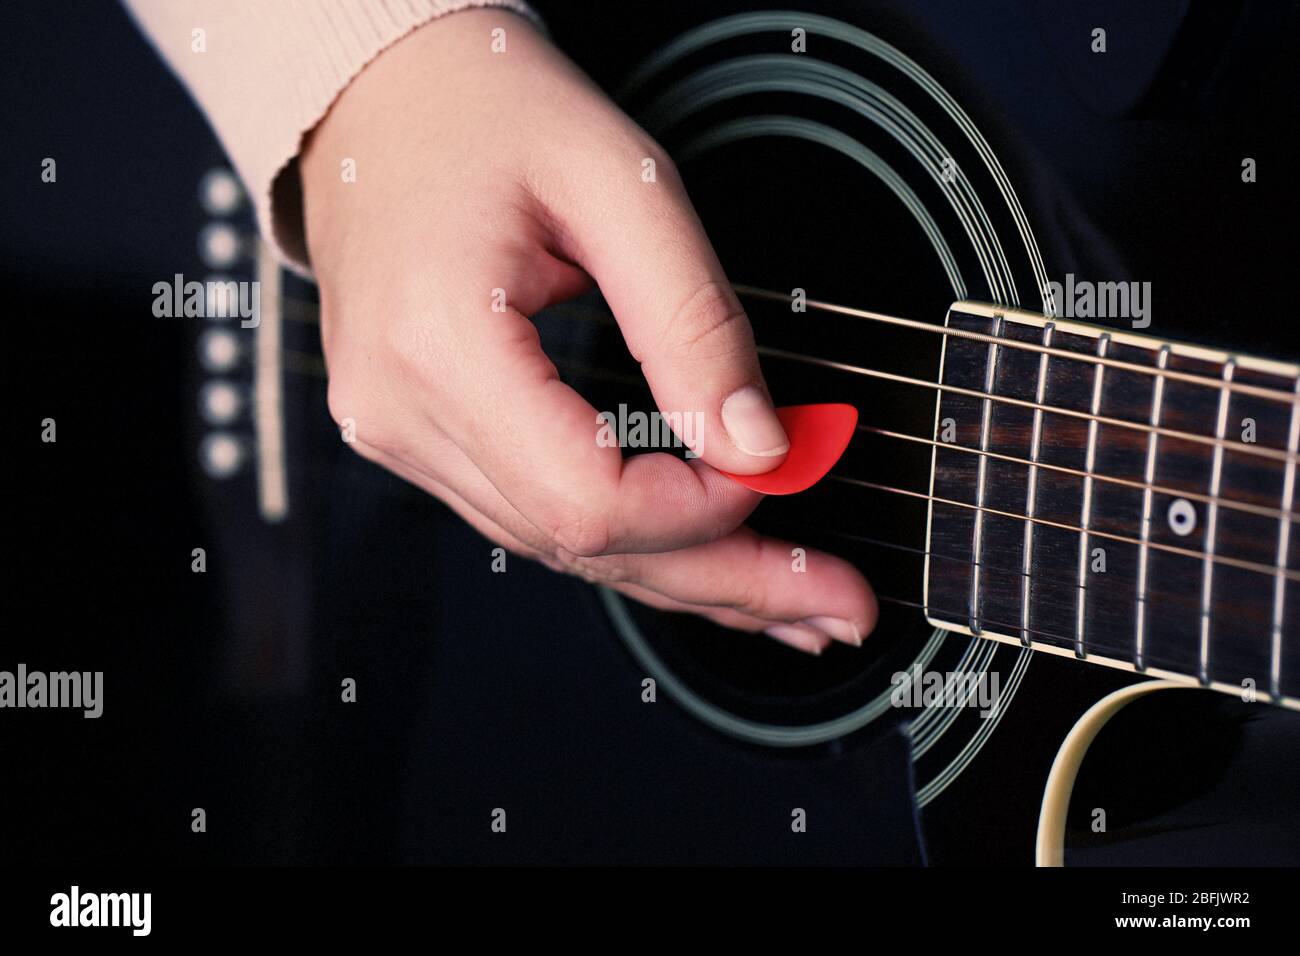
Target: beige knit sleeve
x,y
266,71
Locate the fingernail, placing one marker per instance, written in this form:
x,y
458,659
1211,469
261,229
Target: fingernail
x,y
801,638
751,422
836,627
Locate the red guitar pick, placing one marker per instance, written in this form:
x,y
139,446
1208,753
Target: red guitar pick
x,y
818,436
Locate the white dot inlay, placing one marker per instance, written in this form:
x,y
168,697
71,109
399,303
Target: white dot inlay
x,y
1182,517
219,192
220,402
218,245
218,350
221,454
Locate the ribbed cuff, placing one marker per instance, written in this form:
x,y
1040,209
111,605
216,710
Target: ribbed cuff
x,y
266,72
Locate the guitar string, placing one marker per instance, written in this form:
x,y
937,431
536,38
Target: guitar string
x,y
699,88
1248,449
1094,648
1237,447
1255,567
1065,469
1038,576
303,363
1040,601
1094,645
1006,628
311,365
1262,391
1219,384
1270,570
1245,449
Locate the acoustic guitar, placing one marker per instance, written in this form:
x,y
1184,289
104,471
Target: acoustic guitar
x,y
1057,504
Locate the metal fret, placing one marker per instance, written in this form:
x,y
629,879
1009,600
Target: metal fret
x,y
1085,517
1205,626
1149,474
990,378
1283,552
1211,521
1031,492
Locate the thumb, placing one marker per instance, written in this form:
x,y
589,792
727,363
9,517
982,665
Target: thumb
x,y
643,243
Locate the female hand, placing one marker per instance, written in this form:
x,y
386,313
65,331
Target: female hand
x,y
479,171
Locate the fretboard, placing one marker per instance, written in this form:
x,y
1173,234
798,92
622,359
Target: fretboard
x,y
1133,506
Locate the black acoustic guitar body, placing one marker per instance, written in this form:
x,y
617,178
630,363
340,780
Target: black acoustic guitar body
x,y
804,186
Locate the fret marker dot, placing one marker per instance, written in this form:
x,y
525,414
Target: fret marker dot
x,y
1182,517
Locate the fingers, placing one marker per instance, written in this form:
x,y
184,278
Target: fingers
x,y
634,230
458,349
740,581
714,591
800,637
760,577
545,448
432,260
559,465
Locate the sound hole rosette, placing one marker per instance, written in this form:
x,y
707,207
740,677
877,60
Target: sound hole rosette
x,y
804,76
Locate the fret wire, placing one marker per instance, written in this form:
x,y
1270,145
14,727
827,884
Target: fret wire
x,y
954,559
1044,636
1212,521
1031,484
977,539
918,552
1120,651
925,552
1193,378
1149,473
1255,450
1101,649
1085,512
1283,546
1123,539
944,613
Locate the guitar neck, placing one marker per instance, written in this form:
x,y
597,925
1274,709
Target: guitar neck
x,y
1117,498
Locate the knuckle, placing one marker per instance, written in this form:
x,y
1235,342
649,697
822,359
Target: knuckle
x,y
711,315
360,424
752,600
583,535
601,570
749,596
